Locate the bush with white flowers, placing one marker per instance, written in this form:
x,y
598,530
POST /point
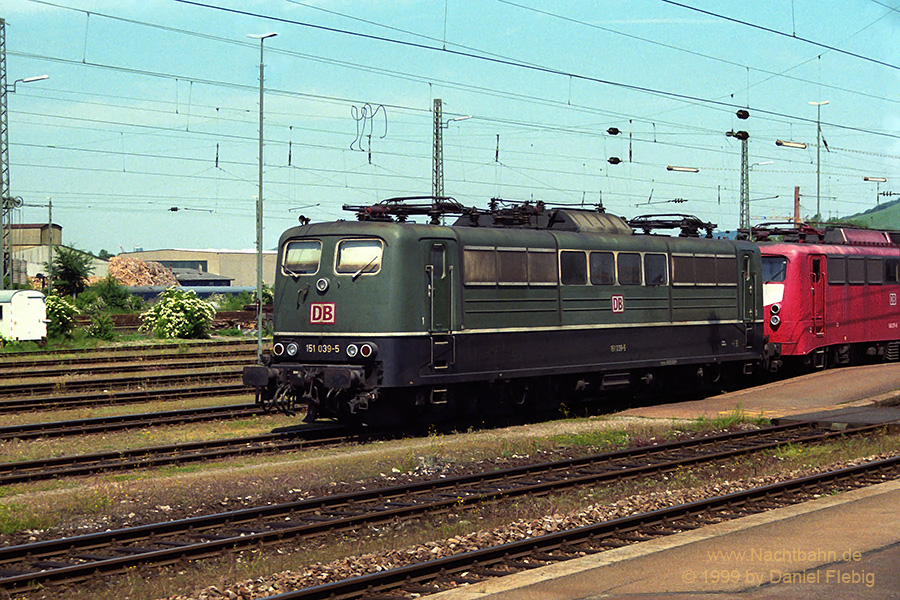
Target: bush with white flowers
x,y
178,314
60,315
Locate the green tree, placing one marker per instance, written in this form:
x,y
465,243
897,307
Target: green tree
x,y
105,254
70,270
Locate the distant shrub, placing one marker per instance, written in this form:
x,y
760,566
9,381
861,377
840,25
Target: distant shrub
x,y
231,301
178,314
107,295
102,327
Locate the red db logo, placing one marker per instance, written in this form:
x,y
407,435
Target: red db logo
x,y
618,304
322,313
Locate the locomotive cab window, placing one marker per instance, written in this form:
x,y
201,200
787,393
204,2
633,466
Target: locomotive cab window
x,y
301,257
774,269
357,257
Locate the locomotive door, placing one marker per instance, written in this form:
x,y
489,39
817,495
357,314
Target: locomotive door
x,y
748,299
439,300
817,290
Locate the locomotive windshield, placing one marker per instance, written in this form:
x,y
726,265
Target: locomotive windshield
x,y
301,257
355,257
774,269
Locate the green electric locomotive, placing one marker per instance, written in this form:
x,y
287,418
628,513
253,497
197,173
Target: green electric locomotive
x,y
386,320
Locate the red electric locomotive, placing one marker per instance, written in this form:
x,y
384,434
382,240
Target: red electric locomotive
x,y
830,296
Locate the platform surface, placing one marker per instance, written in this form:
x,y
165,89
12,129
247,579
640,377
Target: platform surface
x,y
832,389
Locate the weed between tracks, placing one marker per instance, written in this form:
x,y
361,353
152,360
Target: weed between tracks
x,y
115,501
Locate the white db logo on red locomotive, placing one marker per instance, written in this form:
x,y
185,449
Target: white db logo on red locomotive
x,y
321,312
618,304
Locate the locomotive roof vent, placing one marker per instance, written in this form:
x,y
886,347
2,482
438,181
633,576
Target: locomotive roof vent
x,y
858,237
587,221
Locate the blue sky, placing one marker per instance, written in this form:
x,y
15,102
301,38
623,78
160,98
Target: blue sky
x,y
153,105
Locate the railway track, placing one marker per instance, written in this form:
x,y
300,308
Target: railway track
x,y
76,559
121,422
475,566
144,380
190,388
113,351
155,456
133,364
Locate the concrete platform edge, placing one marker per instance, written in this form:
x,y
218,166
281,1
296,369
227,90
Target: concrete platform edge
x,y
522,580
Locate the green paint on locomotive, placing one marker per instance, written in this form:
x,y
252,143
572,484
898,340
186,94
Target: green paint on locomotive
x,y
440,279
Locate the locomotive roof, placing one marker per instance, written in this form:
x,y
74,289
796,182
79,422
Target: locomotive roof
x,y
803,233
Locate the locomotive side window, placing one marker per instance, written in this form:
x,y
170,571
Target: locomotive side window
x,y
480,265
726,270
874,270
355,257
573,267
856,270
774,269
892,270
628,268
542,267
301,257
603,266
682,269
512,266
837,270
655,269
705,270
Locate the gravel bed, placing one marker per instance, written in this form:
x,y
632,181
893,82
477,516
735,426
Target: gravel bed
x,y
353,566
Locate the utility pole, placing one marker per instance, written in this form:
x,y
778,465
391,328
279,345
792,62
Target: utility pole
x,y
819,106
5,200
744,219
437,173
259,204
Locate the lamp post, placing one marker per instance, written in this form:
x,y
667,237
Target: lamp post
x,y
259,203
819,106
878,181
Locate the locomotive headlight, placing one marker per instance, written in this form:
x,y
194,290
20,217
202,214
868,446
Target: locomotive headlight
x,y
292,349
322,285
278,349
368,350
775,321
775,309
352,350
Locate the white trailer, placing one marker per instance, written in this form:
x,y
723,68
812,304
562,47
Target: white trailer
x,y
23,315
